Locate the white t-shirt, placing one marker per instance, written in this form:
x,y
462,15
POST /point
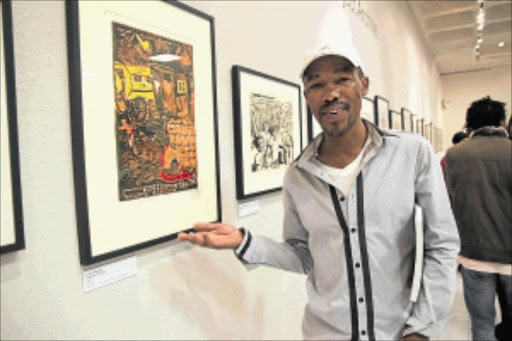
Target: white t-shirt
x,y
346,176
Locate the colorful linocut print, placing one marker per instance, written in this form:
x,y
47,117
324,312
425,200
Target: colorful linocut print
x,y
154,108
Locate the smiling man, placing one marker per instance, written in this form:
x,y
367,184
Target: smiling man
x,y
349,219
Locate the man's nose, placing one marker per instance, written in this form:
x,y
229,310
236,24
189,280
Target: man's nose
x,y
332,93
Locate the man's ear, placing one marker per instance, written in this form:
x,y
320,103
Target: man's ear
x,y
366,84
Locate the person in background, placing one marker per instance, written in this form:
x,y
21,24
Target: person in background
x,y
457,138
478,175
349,203
503,330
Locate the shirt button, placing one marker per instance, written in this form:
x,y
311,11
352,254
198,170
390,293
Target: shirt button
x,y
342,198
361,300
358,265
363,332
353,230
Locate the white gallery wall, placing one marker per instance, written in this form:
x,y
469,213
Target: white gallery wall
x,y
180,291
464,88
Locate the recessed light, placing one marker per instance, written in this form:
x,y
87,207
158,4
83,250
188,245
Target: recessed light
x,y
501,44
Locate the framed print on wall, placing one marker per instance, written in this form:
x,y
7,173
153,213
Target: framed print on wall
x,y
434,138
414,120
407,120
382,112
267,118
143,123
395,119
419,126
313,127
424,125
428,131
368,110
12,237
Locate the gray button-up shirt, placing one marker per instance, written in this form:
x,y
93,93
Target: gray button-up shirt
x,y
358,251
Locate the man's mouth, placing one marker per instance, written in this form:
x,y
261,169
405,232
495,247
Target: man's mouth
x,y
334,109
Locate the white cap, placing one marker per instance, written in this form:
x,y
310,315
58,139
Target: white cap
x,y
346,52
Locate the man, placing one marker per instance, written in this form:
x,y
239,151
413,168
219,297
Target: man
x,y
479,179
458,137
355,239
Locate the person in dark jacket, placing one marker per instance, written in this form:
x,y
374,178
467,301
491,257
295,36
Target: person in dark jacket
x,y
458,137
478,175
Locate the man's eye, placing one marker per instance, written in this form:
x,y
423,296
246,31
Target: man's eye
x,y
315,86
343,80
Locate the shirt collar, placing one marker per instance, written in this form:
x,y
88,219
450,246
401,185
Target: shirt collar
x,y
490,131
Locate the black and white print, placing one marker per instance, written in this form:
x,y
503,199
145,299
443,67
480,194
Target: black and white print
x,y
271,132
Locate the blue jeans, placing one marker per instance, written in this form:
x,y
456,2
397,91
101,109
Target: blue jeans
x,y
480,295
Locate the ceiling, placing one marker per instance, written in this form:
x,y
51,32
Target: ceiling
x,y
450,30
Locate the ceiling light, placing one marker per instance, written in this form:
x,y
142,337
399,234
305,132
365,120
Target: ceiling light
x,y
480,22
501,44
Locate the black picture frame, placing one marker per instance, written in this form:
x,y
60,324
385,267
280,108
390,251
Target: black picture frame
x,y
419,126
395,120
408,120
424,124
429,131
414,120
267,116
382,112
158,217
13,235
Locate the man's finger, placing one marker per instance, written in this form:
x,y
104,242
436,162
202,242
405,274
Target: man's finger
x,y
184,236
207,226
194,238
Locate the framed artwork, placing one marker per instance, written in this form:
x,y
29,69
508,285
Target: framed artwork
x,y
313,127
434,138
382,112
267,117
425,131
414,120
368,110
438,139
143,123
419,126
12,237
407,120
428,132
395,119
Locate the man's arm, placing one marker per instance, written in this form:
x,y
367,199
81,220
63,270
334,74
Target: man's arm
x,y
291,255
441,246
